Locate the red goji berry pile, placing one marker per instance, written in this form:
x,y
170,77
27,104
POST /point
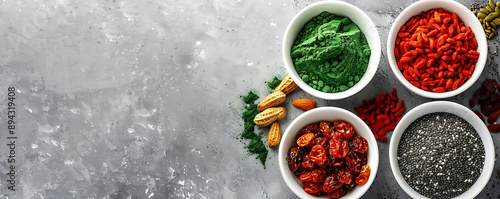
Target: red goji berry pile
x,y
435,51
381,113
488,97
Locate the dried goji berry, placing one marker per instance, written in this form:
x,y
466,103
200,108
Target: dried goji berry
x,y
493,117
494,128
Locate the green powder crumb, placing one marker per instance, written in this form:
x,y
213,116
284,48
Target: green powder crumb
x,y
250,98
330,53
256,146
274,83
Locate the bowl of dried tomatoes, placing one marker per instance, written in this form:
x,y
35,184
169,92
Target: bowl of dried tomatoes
x,y
328,152
437,48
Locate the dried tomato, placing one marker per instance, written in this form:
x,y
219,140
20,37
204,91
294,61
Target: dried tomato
x,y
299,171
364,175
335,146
336,193
353,162
318,155
344,128
294,159
318,175
344,175
331,183
312,187
306,140
363,157
336,161
345,148
314,129
324,127
358,144
307,163
306,176
351,185
323,141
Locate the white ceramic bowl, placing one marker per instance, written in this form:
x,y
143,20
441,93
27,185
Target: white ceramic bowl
x,y
469,20
458,110
341,8
315,116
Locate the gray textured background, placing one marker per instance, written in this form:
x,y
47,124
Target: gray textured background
x,y
140,99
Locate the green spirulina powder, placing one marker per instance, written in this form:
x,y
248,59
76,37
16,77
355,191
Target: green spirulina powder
x,y
274,83
330,53
256,146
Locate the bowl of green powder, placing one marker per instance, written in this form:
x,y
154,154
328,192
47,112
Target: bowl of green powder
x,y
441,149
331,49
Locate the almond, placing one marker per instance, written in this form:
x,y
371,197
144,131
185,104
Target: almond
x,y
273,99
274,136
304,104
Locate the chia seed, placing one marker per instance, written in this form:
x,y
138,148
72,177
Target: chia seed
x,y
440,155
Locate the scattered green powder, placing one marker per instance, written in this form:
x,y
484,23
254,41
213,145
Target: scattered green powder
x,y
250,98
256,146
274,83
330,53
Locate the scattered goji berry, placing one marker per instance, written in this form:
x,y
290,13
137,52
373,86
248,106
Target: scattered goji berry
x,y
382,113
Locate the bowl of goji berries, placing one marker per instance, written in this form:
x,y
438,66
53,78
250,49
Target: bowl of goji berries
x,y
328,152
437,48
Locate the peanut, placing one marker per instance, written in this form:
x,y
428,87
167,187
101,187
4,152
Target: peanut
x,y
269,115
287,85
272,100
274,136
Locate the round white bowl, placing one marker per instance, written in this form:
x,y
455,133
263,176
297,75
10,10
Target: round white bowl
x,y
315,116
465,15
341,8
458,110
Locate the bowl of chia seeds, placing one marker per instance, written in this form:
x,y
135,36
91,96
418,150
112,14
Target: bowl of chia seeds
x,y
441,149
331,49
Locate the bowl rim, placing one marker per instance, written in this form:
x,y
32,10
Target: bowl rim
x,y
366,25
464,14
458,110
303,120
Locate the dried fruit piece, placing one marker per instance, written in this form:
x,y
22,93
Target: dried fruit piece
x,y
359,144
494,128
294,159
364,175
318,155
269,115
344,128
273,99
274,135
306,140
331,183
493,117
287,85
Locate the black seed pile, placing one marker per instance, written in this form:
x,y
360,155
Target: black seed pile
x,y
440,155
